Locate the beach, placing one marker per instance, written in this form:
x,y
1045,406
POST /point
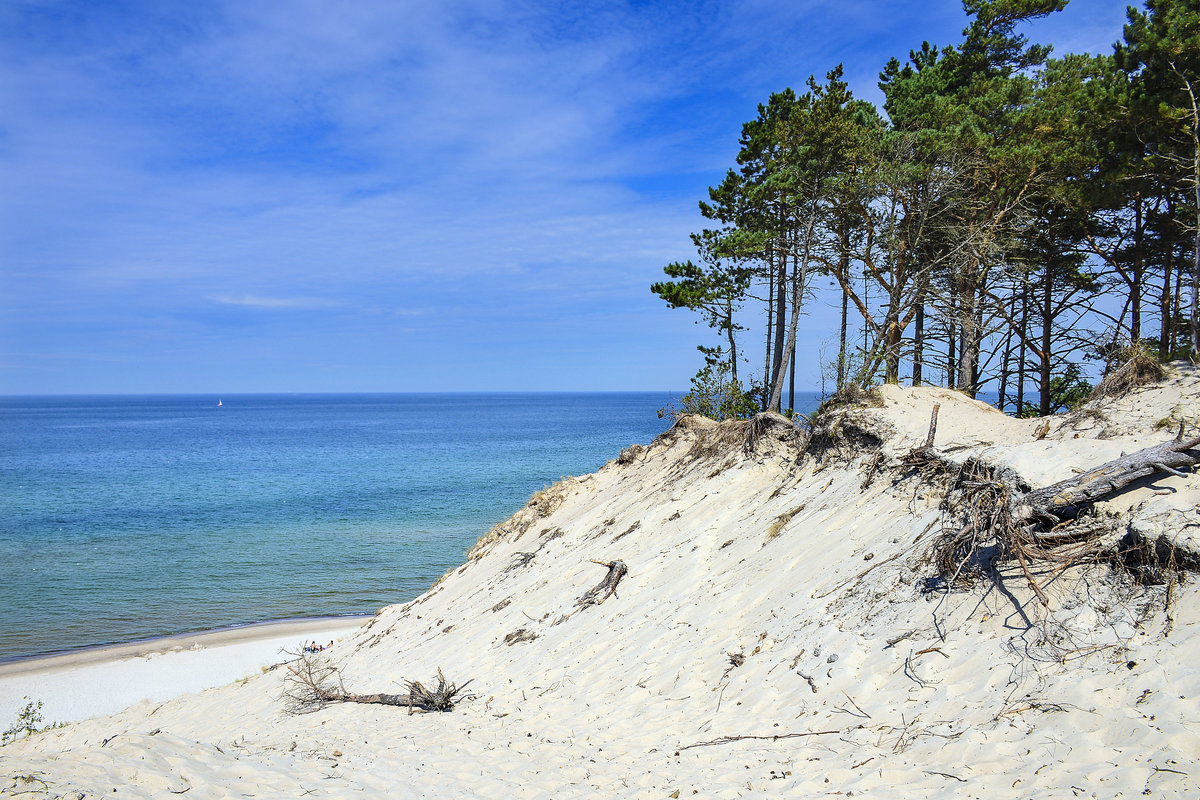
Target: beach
x,y
104,680
779,631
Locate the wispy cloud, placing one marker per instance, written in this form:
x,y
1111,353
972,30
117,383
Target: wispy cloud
x,y
485,161
277,302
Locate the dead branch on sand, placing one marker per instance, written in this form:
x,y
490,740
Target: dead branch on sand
x,y
771,737
312,683
608,586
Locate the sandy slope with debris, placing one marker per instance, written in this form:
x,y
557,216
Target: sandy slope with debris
x,y
772,595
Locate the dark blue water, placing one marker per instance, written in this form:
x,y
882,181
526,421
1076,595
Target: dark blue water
x,y
129,517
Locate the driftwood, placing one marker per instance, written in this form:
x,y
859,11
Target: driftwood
x,y
932,426
926,454
313,683
1065,499
607,587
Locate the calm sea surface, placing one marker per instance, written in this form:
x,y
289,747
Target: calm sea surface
x,y
123,518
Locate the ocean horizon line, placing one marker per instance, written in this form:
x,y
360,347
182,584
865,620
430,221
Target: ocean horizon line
x,y
384,393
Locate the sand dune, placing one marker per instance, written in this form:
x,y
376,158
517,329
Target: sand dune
x,y
775,636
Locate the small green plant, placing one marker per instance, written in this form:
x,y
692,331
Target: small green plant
x,y
29,721
714,393
1068,392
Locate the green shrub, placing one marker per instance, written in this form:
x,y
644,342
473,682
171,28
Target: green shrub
x,y
714,393
1068,391
29,721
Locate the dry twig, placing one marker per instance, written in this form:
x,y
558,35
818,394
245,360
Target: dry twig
x,y
774,737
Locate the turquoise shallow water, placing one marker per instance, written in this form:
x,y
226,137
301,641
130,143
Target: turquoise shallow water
x,y
130,517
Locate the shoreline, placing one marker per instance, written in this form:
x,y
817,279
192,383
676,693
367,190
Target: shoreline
x,y
212,637
103,680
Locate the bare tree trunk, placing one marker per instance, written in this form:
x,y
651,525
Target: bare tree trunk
x,y
918,376
1047,330
952,336
844,266
1180,276
1021,346
733,357
799,286
777,360
792,382
892,352
1195,133
1139,268
841,365
1196,289
968,299
770,334
976,347
1006,360
1165,339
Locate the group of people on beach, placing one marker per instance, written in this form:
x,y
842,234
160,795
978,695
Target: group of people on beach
x,y
313,647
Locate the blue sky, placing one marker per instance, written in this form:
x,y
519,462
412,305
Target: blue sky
x,y
383,195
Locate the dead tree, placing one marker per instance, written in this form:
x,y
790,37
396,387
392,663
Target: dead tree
x,y
996,518
1065,499
313,683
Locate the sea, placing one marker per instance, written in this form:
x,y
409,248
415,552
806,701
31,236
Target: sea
x,y
124,518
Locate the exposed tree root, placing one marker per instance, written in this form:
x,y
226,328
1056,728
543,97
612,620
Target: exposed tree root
x,y
993,521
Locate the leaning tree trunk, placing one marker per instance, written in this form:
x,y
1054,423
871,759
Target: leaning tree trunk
x,y
1065,499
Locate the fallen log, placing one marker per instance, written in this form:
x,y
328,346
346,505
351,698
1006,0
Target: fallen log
x,y
1066,499
992,520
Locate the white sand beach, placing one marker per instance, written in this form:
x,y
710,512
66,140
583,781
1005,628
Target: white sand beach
x,y
781,632
104,680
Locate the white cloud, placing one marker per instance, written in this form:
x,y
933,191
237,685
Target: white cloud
x,y
277,302
164,162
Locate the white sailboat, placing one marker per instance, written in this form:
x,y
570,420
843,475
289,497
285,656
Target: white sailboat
x,y
219,403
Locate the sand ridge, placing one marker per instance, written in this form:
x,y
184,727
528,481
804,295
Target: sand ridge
x,y
773,637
